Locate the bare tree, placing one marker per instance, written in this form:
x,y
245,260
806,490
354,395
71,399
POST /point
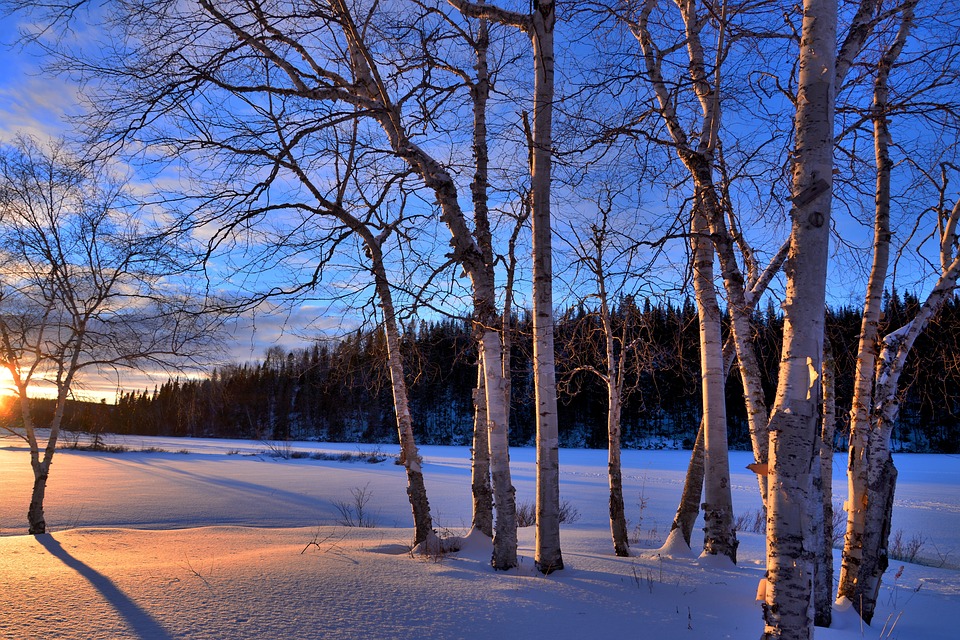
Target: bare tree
x,y
539,25
290,80
609,257
897,92
698,146
89,284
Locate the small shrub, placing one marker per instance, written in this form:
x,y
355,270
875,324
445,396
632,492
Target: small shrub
x,y
568,513
754,521
374,456
906,550
839,525
527,513
354,513
282,449
156,450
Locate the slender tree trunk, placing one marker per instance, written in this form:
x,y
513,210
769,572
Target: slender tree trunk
x,y
881,471
618,519
480,468
548,557
470,256
35,517
862,503
698,157
719,535
36,520
787,609
416,490
689,508
480,92
882,483
823,583
504,495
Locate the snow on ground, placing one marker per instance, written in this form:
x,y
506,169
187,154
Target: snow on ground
x,y
228,542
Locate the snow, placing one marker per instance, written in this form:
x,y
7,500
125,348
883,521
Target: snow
x,y
228,542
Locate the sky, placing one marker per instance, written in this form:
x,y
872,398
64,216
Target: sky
x,y
36,103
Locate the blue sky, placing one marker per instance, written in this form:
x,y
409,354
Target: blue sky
x,y
36,103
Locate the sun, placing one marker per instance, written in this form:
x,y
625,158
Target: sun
x,y
7,404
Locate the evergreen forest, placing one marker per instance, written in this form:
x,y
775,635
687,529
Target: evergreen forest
x,y
339,390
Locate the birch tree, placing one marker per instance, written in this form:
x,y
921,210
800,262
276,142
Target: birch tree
x,y
787,610
688,508
88,284
823,579
698,147
539,25
871,471
610,260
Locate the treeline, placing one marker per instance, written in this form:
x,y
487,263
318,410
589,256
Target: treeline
x,y
340,391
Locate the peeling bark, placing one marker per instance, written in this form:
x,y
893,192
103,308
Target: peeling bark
x,y
791,539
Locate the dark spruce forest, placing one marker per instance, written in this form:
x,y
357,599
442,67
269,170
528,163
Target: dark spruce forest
x,y
339,390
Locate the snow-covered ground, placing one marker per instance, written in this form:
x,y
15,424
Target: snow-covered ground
x,y
215,539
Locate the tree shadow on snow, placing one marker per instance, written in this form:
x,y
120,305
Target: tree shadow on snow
x,y
142,623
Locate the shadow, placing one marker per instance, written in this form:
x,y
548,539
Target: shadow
x,y
142,623
245,489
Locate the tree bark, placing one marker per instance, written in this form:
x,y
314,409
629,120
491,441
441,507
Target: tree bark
x,y
479,93
862,504
614,380
791,540
689,507
468,255
823,582
547,554
480,467
504,495
881,471
35,517
416,489
697,156
719,536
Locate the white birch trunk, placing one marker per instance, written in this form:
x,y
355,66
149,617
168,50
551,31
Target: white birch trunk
x,y
698,159
468,254
547,554
823,583
791,543
689,507
864,453
479,93
409,454
480,461
881,471
614,380
719,536
504,495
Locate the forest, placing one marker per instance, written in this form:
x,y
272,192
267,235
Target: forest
x,y
339,391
